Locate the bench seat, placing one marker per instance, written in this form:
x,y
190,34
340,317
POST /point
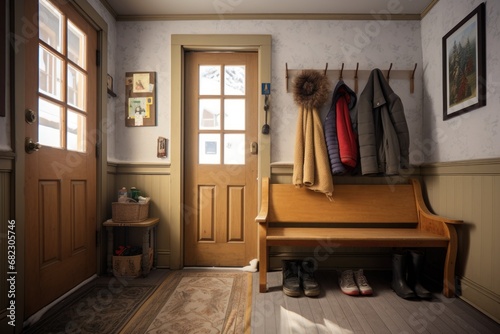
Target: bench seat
x,y
355,237
365,215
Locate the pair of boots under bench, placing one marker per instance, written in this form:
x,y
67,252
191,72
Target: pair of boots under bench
x,y
299,274
406,268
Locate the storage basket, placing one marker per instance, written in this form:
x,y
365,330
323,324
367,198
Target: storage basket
x,y
131,266
127,266
129,212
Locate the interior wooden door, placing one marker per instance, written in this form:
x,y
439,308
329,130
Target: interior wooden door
x,y
60,180
220,190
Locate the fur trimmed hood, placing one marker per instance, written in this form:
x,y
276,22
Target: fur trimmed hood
x,y
311,89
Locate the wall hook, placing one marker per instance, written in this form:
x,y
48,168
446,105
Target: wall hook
x,y
412,80
356,79
286,76
326,68
389,72
341,70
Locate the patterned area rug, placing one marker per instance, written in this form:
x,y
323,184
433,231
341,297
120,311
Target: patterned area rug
x,y
190,301
102,308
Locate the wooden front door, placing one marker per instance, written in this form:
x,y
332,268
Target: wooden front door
x,y
60,180
220,190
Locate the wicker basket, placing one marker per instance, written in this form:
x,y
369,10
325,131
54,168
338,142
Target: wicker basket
x,y
129,212
127,266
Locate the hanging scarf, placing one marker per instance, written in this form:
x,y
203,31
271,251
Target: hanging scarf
x,y
311,168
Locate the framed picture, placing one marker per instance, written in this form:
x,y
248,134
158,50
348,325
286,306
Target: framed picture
x,y
140,102
162,147
464,65
110,83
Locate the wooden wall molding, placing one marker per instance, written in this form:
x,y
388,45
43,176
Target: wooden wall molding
x,y
466,167
139,168
7,161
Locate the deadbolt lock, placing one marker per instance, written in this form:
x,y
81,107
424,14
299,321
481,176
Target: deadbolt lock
x,y
254,148
30,116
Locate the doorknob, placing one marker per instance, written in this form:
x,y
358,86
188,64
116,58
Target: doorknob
x,y
30,146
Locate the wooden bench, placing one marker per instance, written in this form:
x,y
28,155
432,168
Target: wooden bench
x,y
359,216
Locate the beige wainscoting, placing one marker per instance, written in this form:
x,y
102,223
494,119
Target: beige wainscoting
x,y
6,203
153,180
470,190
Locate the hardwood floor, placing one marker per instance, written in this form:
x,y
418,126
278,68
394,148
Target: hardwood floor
x,y
384,312
334,312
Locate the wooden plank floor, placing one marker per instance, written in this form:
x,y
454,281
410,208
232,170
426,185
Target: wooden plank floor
x,y
384,312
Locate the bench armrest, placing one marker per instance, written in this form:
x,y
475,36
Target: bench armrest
x,y
427,220
264,203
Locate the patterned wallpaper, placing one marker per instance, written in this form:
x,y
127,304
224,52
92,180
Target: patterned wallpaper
x,y
473,135
145,46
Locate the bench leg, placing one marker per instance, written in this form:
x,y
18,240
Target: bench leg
x,y
262,258
449,264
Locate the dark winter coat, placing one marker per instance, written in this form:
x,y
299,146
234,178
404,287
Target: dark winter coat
x,y
381,126
340,138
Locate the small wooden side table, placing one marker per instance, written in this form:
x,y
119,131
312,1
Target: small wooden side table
x,y
148,240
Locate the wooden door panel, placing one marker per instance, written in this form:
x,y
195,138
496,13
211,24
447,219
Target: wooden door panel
x,y
50,222
236,217
78,208
206,226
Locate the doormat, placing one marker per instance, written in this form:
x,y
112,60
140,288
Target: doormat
x,y
190,301
102,308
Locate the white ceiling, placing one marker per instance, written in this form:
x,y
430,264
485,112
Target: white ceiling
x,y
156,8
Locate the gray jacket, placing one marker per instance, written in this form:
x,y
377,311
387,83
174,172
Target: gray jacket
x,y
383,134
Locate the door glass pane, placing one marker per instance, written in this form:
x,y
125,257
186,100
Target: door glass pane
x,y
76,45
209,110
209,80
234,114
76,87
209,148
234,149
76,131
234,82
50,21
50,69
49,124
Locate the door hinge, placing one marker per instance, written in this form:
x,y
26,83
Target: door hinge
x,y
97,151
98,57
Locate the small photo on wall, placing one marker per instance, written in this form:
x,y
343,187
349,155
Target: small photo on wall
x,y
141,83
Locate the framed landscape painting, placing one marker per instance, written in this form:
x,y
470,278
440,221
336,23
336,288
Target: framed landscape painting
x,y
464,65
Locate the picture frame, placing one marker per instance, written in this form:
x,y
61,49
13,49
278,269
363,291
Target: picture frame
x,y
140,101
109,83
464,65
162,147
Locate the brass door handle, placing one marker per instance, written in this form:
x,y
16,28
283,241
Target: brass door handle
x,y
30,146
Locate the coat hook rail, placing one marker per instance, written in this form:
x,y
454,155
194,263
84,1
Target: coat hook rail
x,y
355,74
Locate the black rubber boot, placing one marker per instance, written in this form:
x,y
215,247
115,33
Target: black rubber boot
x,y
399,276
414,270
307,280
291,282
